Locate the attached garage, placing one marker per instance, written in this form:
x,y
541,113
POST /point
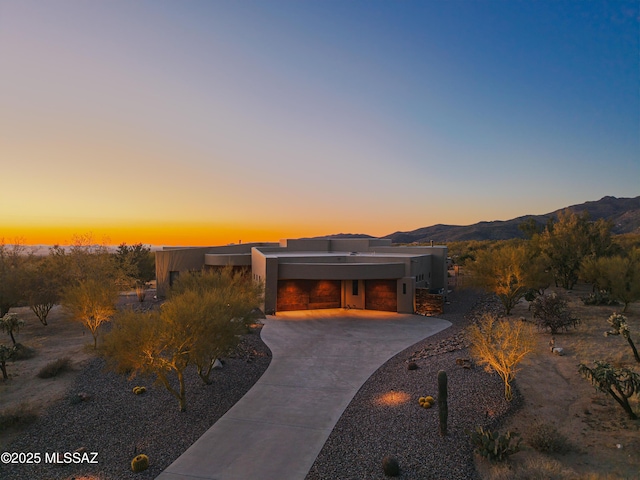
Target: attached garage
x,y
308,294
381,295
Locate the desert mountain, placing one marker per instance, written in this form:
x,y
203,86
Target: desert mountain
x,y
623,213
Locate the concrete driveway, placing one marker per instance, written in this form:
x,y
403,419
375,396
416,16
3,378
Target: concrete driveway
x,y
321,358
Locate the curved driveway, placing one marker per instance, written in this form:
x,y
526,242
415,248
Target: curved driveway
x,y
320,360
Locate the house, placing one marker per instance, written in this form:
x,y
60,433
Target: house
x,y
300,274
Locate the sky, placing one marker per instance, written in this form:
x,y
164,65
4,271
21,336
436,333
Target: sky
x,y
210,122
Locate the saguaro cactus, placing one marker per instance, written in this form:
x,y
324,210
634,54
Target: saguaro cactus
x,y
443,408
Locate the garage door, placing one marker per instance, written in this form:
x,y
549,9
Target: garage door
x,y
308,294
381,295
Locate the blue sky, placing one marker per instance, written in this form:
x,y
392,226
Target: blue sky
x,y
261,120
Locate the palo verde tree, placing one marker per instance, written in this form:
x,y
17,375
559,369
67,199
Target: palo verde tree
x,y
136,263
149,343
44,281
566,242
93,282
503,271
91,302
620,276
501,345
620,383
12,266
202,320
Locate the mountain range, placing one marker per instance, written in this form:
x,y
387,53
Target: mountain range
x,y
623,213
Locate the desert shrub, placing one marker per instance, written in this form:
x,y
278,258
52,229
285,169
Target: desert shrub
x,y
544,437
492,445
55,368
599,297
140,463
412,366
22,352
551,313
390,466
536,468
426,402
18,416
139,390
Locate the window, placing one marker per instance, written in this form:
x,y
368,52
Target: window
x,y
173,276
404,288
354,288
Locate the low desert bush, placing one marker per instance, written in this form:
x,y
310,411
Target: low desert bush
x,y
534,468
599,297
22,352
551,313
55,368
390,466
18,416
545,438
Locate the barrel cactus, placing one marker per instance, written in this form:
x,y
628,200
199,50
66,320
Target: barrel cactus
x,y
140,463
390,466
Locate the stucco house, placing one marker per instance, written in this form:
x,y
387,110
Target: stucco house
x,y
300,274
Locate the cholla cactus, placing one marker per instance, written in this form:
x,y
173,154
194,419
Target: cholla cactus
x,y
11,324
619,327
620,383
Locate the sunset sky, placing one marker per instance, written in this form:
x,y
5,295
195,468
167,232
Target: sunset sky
x,y
208,122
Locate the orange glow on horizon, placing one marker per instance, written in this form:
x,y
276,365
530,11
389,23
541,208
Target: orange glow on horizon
x,y
169,234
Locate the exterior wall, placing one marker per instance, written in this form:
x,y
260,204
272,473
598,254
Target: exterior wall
x,y
406,295
221,260
306,244
334,271
177,260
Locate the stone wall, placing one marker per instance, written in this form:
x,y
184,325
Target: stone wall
x,y
428,303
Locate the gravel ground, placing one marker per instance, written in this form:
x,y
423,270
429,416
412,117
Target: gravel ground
x,y
369,429
118,424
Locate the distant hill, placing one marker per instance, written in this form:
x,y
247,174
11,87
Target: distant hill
x,y
344,235
624,214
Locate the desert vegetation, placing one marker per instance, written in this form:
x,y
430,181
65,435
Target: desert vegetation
x,y
201,321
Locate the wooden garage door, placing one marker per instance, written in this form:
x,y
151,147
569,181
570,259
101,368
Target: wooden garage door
x,y
308,294
381,295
